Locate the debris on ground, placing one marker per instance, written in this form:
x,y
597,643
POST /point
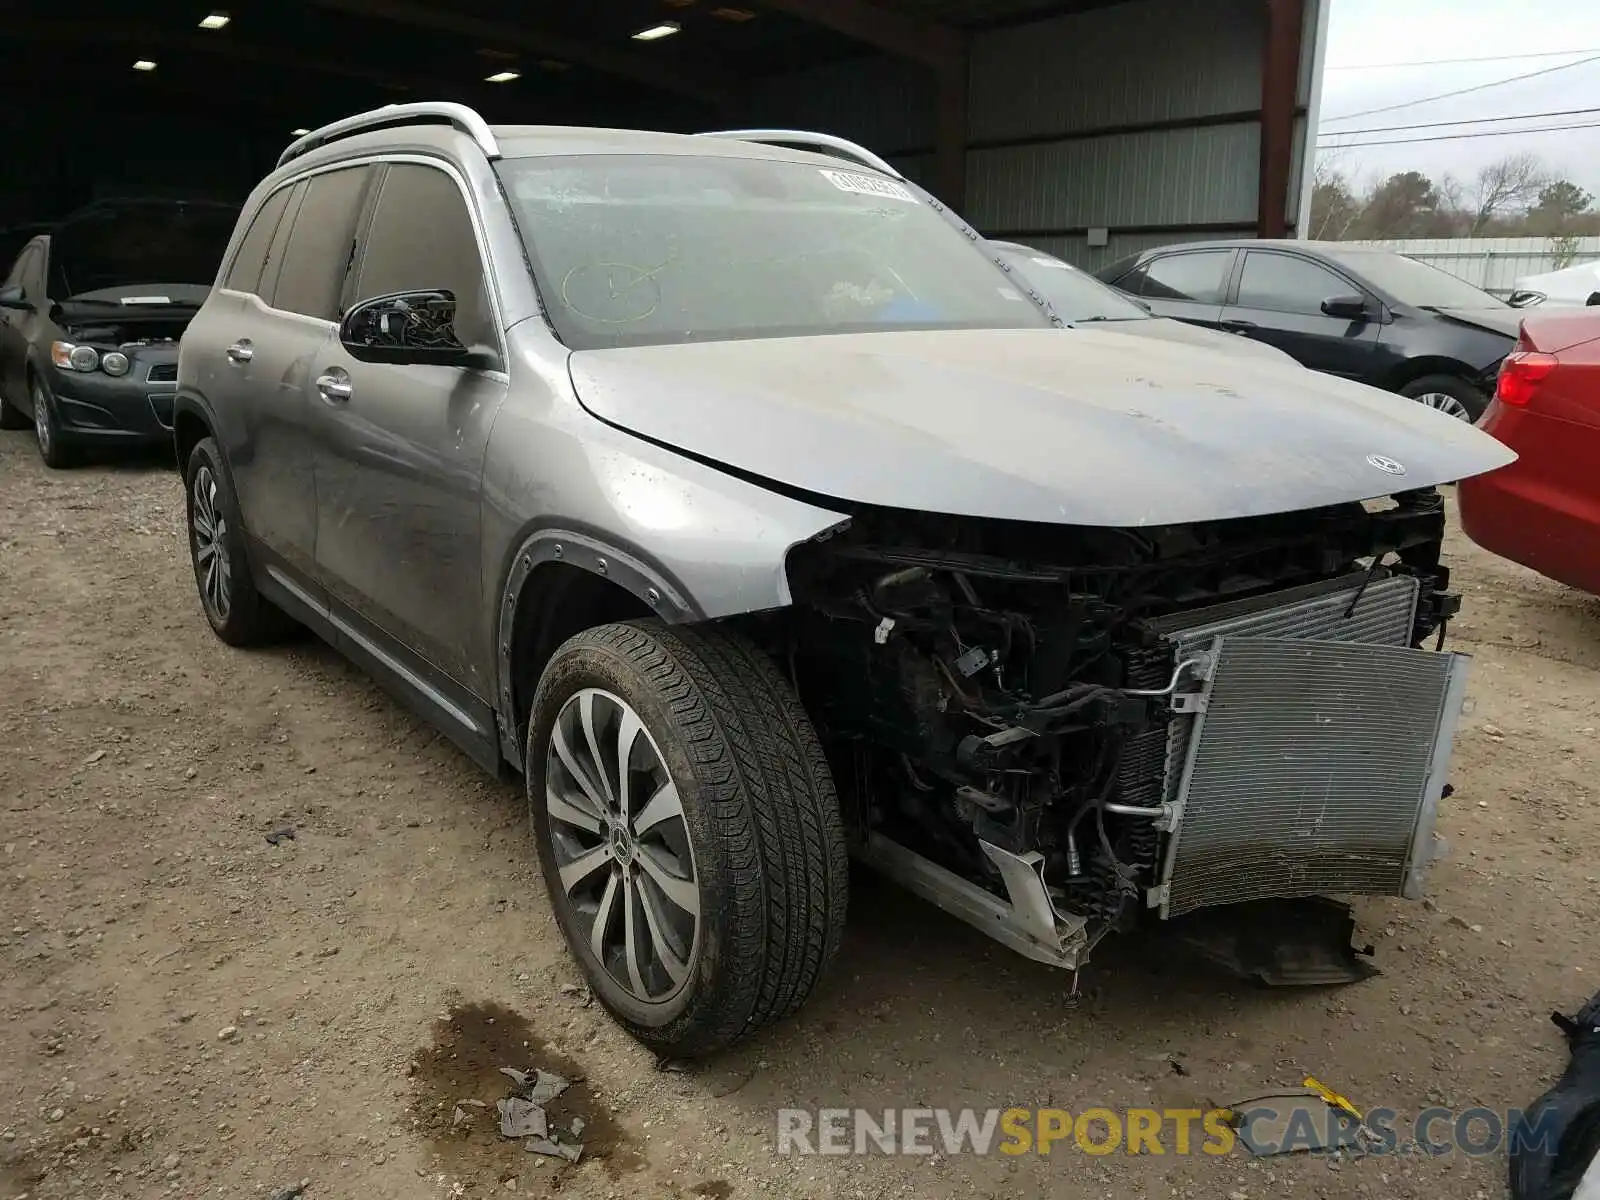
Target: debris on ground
x,y
523,1115
521,1118
539,1145
278,836
1316,1120
293,1191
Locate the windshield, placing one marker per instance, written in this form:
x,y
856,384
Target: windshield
x,y
137,245
647,249
1416,283
1076,296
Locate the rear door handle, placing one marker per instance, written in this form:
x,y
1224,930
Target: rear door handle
x,y
335,386
241,351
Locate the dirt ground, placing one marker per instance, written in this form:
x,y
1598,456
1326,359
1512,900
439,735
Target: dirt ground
x,y
188,1010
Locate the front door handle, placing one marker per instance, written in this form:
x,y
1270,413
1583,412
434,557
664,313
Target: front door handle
x,y
334,386
1239,326
241,351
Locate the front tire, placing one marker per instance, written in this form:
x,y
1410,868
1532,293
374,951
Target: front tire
x,y
236,611
47,428
1449,394
703,888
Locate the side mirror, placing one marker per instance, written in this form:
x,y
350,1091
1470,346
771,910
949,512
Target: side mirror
x,y
1351,307
11,296
406,328
1593,301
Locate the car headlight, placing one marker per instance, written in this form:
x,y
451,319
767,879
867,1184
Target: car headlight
x,y
74,358
114,362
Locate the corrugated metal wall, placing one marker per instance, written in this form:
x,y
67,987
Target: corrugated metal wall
x,y
1039,92
1494,264
887,104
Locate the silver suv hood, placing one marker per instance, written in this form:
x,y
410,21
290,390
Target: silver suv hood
x,y
1076,426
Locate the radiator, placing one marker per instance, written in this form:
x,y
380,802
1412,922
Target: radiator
x,y
1318,753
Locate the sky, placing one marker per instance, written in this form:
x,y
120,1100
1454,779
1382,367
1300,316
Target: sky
x,y
1366,37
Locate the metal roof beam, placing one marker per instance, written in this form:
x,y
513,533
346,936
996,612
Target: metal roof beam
x,y
522,37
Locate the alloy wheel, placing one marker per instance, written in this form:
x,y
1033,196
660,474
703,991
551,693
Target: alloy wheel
x,y
622,847
210,529
1446,403
41,418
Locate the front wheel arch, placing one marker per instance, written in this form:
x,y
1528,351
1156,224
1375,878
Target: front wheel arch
x,y
559,583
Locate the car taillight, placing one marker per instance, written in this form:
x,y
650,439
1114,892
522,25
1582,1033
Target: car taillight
x,y
1521,374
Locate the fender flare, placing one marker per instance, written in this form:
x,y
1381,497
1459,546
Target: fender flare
x,y
647,582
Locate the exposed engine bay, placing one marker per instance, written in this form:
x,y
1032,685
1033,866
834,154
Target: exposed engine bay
x,y
1006,702
115,331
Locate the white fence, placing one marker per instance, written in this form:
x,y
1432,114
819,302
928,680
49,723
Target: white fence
x,y
1495,264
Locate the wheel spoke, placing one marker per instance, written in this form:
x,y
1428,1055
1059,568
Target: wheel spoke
x,y
627,734
204,551
565,808
681,892
677,968
203,525
602,917
663,806
591,735
558,739
585,865
630,935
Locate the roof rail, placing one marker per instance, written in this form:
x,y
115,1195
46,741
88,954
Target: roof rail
x,y
458,115
799,137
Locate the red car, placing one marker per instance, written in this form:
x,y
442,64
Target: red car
x,y
1544,509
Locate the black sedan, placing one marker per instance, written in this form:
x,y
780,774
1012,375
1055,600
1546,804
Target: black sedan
x,y
90,317
1361,312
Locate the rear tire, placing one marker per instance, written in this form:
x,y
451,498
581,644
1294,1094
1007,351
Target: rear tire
x,y
735,899
236,611
1449,394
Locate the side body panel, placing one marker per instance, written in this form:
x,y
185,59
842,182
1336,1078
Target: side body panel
x,y
19,328
1292,320
1544,509
690,541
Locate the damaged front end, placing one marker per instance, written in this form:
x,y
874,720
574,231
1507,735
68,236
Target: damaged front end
x,y
1057,731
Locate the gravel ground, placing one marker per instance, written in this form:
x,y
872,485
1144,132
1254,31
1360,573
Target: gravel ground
x,y
189,1010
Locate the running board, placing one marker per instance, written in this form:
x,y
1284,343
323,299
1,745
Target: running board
x,y
1028,924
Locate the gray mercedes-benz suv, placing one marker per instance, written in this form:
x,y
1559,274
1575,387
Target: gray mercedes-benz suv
x,y
725,489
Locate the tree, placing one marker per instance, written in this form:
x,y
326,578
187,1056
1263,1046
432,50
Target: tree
x,y
1402,206
1507,186
1334,204
1559,202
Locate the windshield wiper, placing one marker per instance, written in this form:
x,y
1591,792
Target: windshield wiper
x,y
1094,320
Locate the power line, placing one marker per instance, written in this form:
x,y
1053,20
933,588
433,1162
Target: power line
x,y
1451,137
1565,112
1481,87
1445,62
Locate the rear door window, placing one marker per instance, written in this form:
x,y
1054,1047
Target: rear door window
x,y
1287,283
1200,277
245,273
321,244
421,238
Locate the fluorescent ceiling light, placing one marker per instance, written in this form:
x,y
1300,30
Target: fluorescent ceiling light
x,y
502,77
665,29
215,21
299,132
144,64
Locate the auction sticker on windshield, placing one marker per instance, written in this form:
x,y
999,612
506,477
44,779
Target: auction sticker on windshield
x,y
868,185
